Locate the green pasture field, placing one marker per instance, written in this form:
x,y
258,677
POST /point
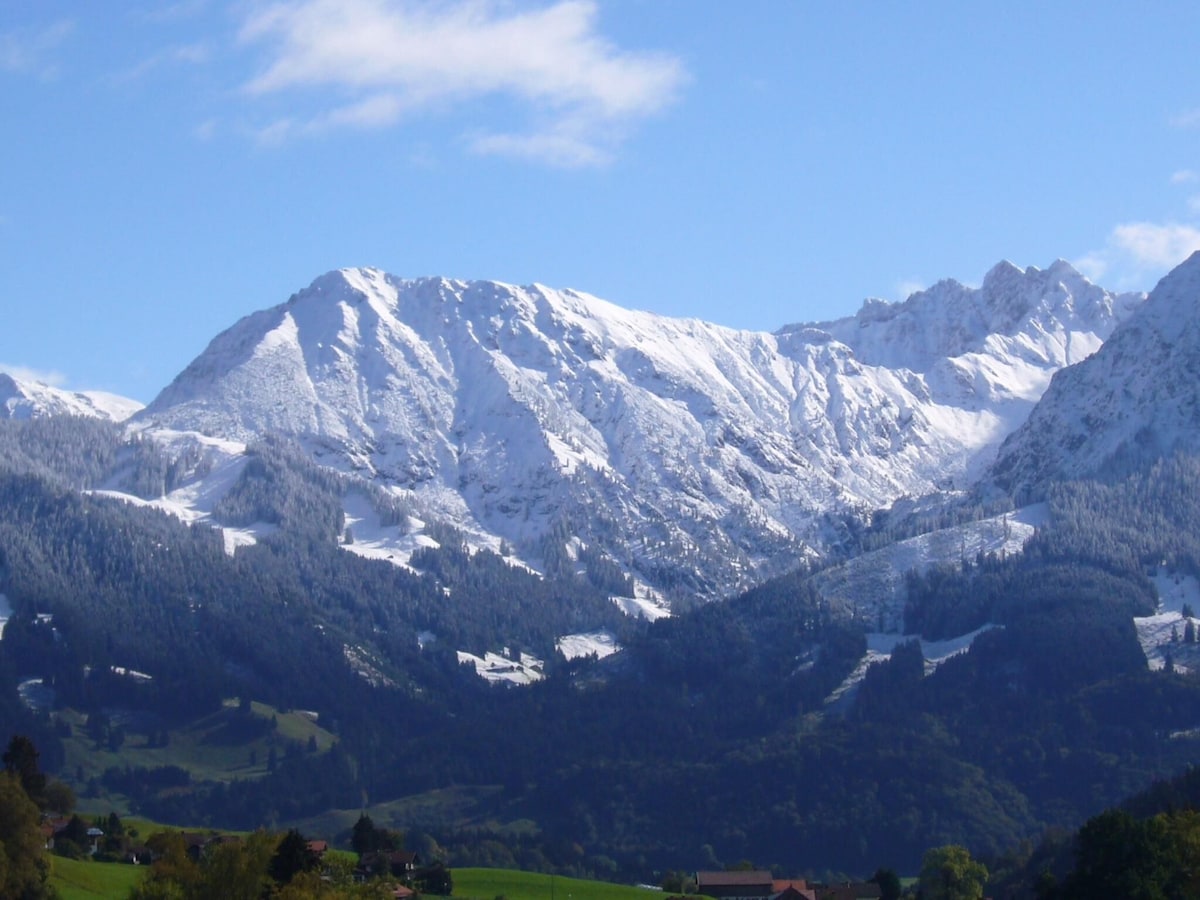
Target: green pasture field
x,y
78,879
456,806
209,748
488,884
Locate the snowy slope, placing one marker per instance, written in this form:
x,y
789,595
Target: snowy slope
x,y
1162,634
600,644
698,457
219,464
1135,400
500,669
881,646
870,587
24,399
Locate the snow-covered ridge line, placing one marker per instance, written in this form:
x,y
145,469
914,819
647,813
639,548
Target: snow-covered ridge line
x,y
25,399
701,458
1133,400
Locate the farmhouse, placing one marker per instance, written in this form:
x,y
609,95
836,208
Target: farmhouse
x,y
793,889
751,885
759,885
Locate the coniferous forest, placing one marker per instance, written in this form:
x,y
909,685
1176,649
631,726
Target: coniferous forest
x,y
708,740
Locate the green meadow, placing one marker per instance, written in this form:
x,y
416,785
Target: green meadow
x,y
488,884
77,879
87,880
221,746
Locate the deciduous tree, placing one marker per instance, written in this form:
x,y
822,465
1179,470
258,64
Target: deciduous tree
x,y
949,873
23,866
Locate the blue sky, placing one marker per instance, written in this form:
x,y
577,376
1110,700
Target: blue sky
x,y
169,167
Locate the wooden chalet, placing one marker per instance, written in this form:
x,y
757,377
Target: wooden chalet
x,y
396,863
793,889
748,885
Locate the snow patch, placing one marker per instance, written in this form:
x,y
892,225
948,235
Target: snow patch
x,y
498,669
245,537
366,666
193,502
881,646
131,673
871,586
642,608
6,612
36,694
600,644
1162,633
371,539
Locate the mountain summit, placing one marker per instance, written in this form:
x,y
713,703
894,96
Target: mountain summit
x,y
22,398
1134,401
695,456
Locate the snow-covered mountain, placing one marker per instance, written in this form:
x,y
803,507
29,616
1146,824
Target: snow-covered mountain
x,y
25,399
1137,399
695,456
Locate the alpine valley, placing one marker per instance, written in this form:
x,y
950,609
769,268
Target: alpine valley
x,y
548,582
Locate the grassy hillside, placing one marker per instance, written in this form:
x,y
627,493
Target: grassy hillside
x,y
226,745
88,880
486,884
76,879
458,807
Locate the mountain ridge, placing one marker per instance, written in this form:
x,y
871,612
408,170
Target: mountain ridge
x,y
696,456
1130,402
25,398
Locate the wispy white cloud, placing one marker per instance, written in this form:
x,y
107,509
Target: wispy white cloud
x,y
375,111
183,54
1137,253
25,373
385,60
32,50
277,132
162,13
206,130
1152,245
905,289
569,144
1189,118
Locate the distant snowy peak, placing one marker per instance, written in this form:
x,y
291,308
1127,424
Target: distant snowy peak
x,y
696,457
1135,400
24,399
1031,311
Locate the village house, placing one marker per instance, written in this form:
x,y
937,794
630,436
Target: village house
x,y
61,827
746,885
793,889
396,863
759,885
